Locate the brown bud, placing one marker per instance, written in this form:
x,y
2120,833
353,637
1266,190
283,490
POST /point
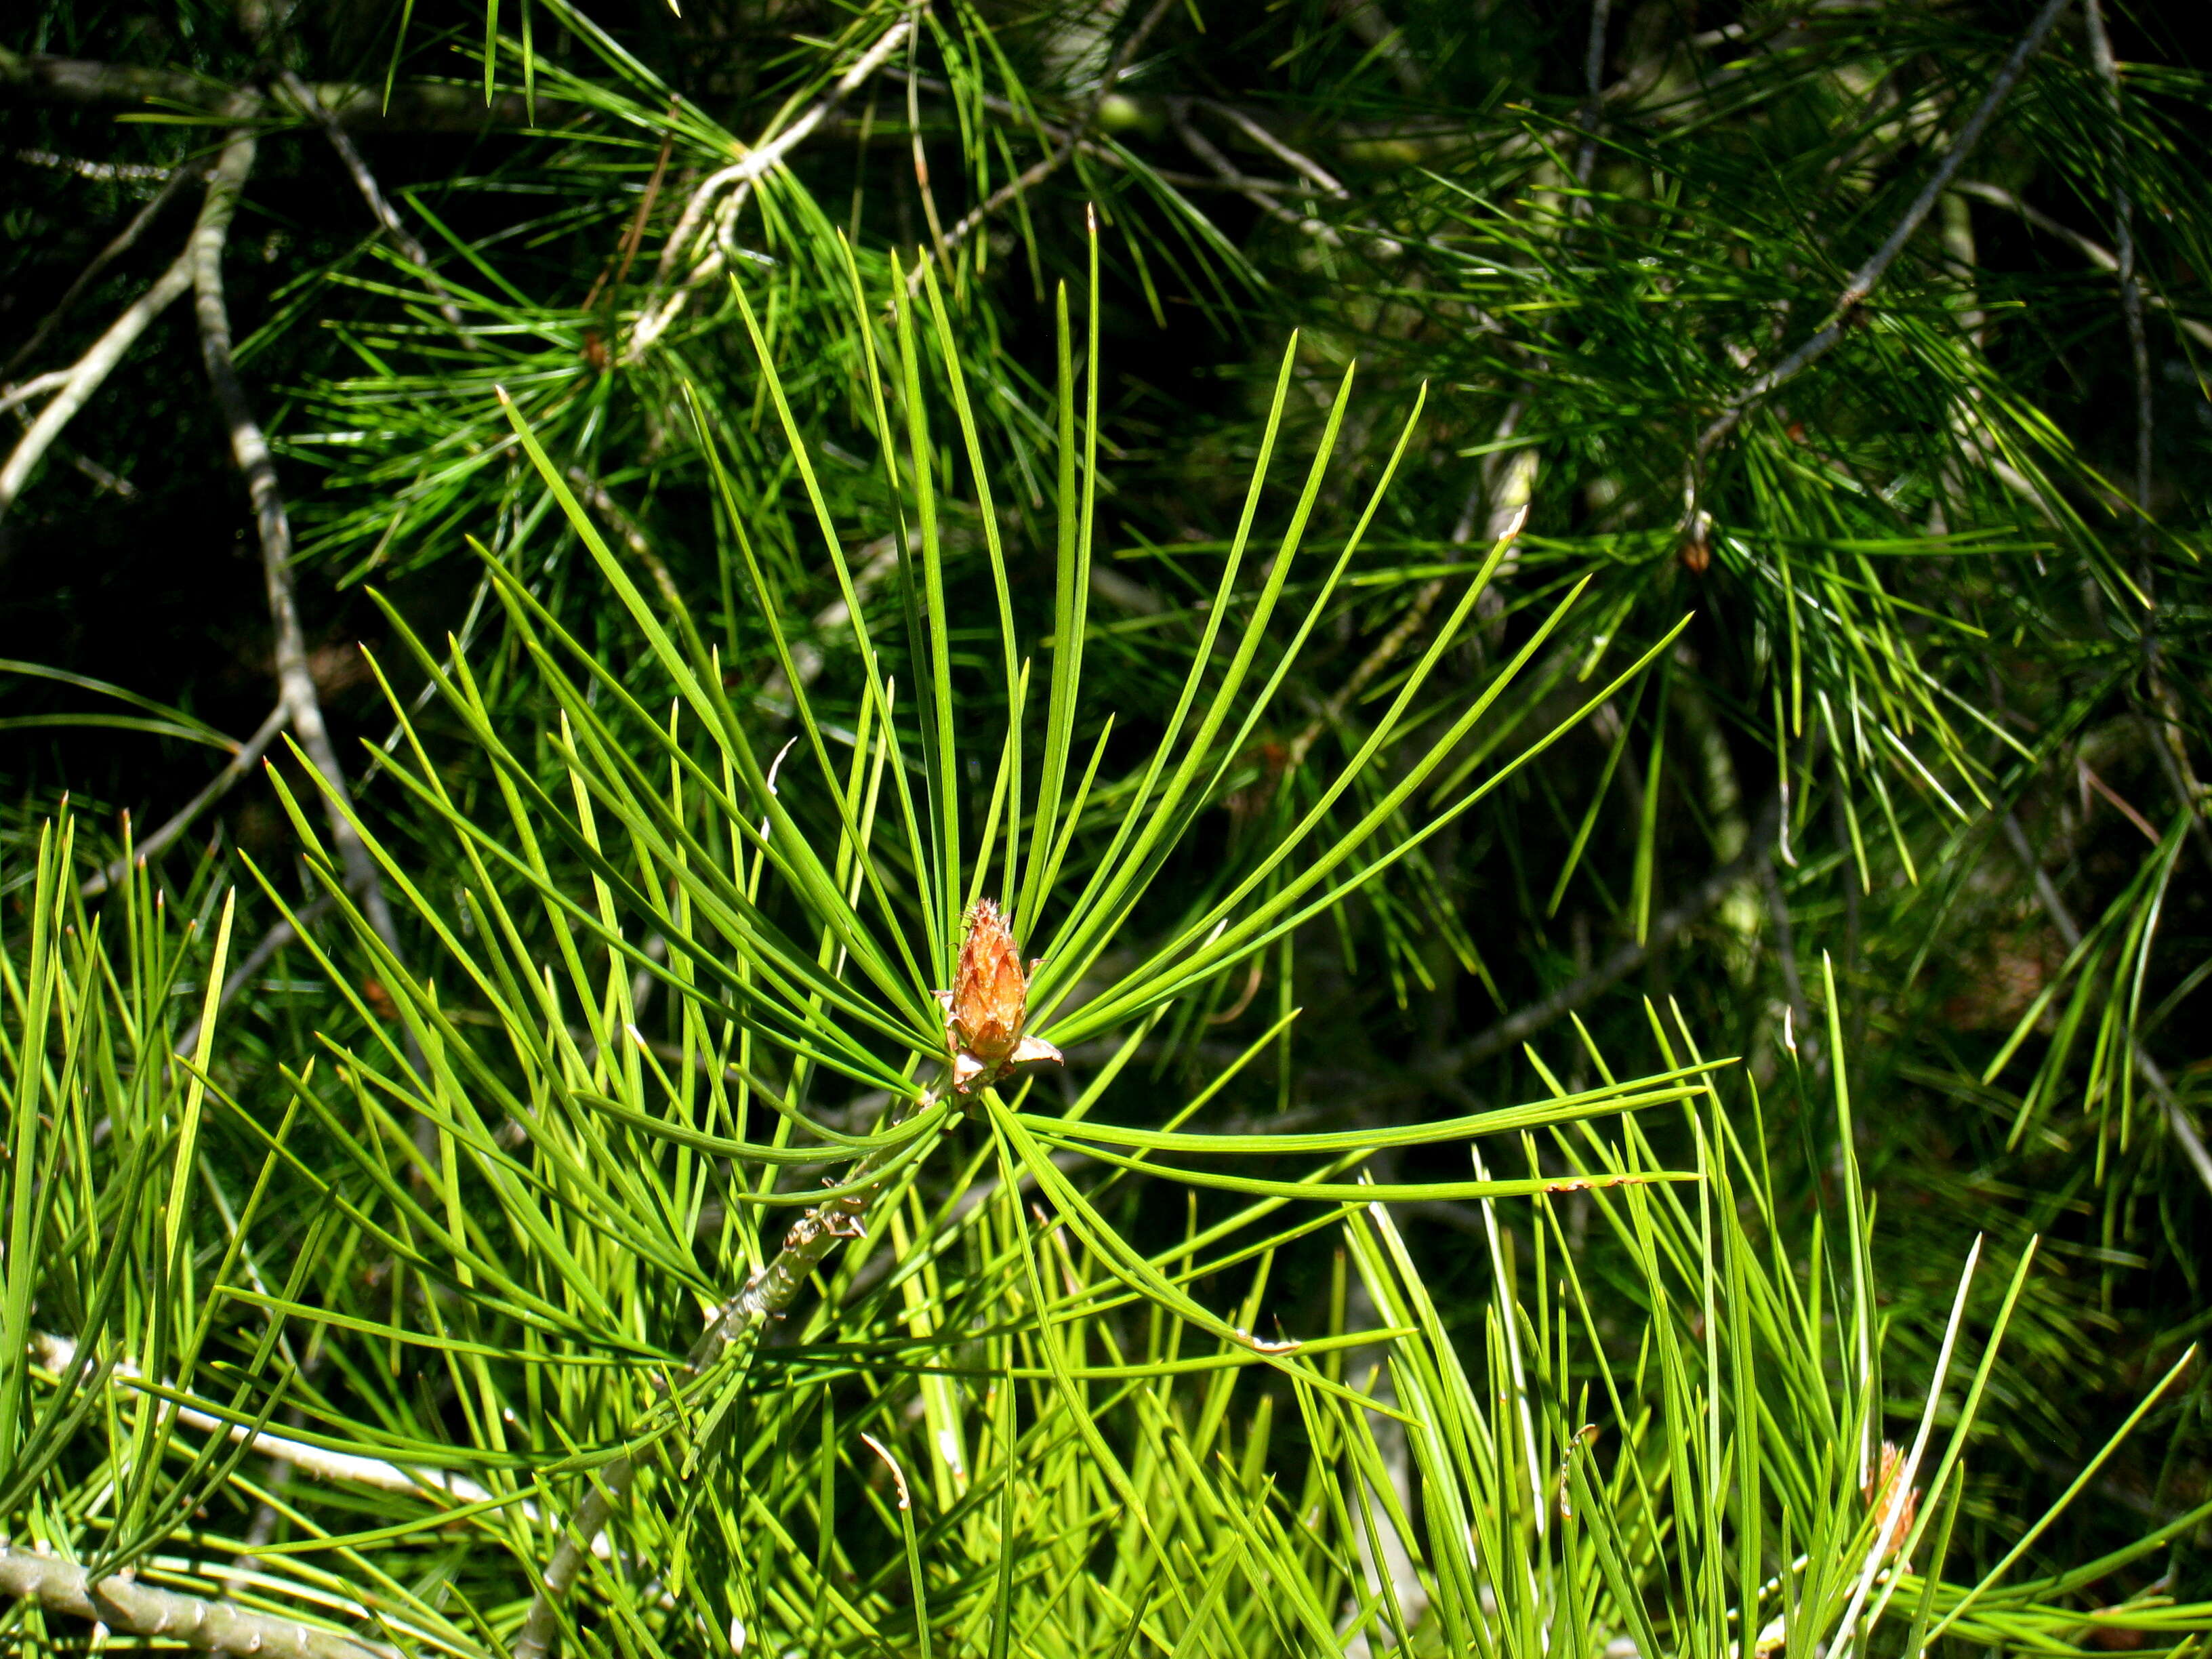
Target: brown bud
x,y
988,1003
1892,1502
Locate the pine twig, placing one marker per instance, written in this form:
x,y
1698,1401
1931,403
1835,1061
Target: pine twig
x,y
2088,247
762,1297
58,1353
1592,113
661,308
1232,176
2124,243
2172,750
1091,147
411,106
594,496
122,1604
123,240
379,204
1805,1036
1297,161
249,447
1077,131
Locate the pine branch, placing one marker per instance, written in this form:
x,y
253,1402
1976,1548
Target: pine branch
x,y
249,447
2123,240
1078,129
737,180
2090,249
179,179
1592,113
1863,280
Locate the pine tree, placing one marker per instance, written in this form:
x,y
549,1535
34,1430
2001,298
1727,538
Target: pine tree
x,y
1218,829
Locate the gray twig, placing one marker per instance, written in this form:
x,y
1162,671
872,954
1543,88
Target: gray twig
x,y
1092,148
1233,176
2090,249
1078,129
2172,750
379,203
1297,161
1506,519
296,684
411,106
208,1627
738,178
1592,113
59,1353
2124,243
87,375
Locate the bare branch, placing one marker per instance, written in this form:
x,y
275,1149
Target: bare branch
x,y
2090,249
101,478
1077,131
58,1353
1386,40
2123,240
249,448
105,172
737,179
121,1603
1805,1036
1207,151
2174,752
1593,110
36,387
873,564
87,375
1091,147
1297,161
122,243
